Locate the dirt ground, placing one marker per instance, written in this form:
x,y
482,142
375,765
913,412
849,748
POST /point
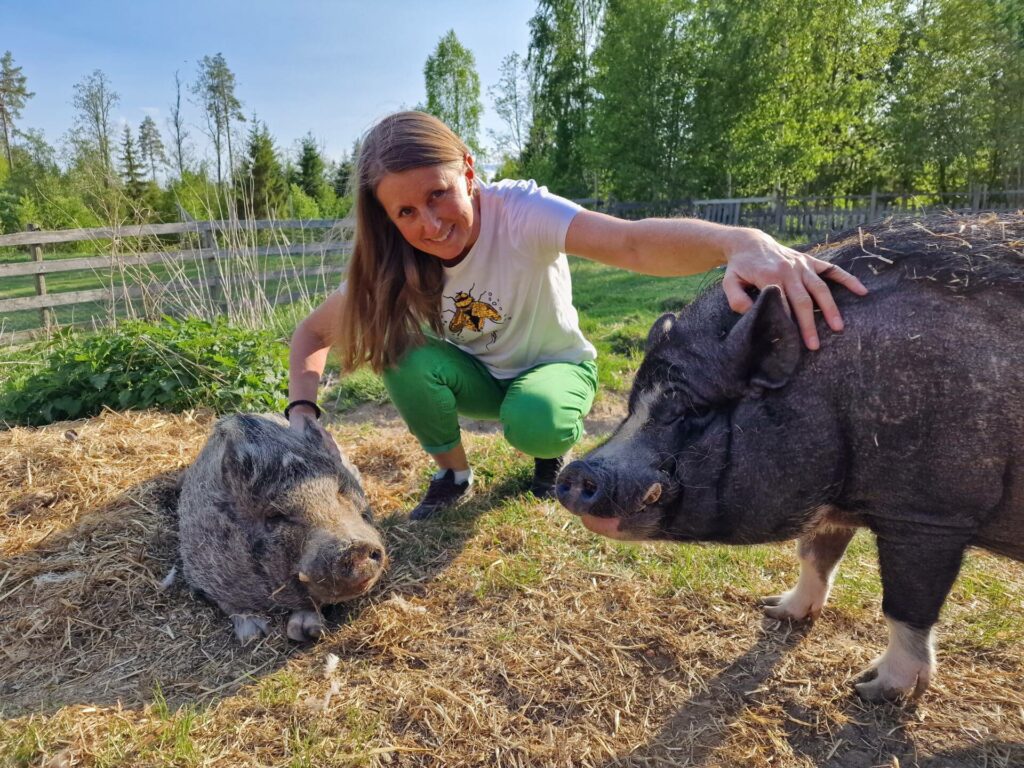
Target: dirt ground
x,y
506,636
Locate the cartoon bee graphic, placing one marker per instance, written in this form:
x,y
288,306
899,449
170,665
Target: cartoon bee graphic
x,y
471,312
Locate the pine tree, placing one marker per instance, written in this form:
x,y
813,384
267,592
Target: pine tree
x,y
131,170
13,95
262,190
311,169
151,146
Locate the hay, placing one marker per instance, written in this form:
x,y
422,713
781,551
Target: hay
x,y
503,635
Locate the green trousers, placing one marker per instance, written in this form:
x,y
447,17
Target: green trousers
x,y
541,410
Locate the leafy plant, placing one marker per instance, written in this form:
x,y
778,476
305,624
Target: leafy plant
x,y
172,365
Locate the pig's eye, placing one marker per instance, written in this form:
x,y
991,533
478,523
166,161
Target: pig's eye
x,y
274,521
672,408
367,515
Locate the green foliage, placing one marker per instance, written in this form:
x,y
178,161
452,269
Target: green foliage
x,y
301,205
563,35
173,365
453,89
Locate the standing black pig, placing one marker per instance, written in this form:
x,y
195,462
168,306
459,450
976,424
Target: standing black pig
x,y
271,518
910,423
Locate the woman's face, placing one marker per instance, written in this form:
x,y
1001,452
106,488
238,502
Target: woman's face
x,y
433,207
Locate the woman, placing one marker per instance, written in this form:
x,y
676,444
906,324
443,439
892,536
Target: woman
x,y
483,267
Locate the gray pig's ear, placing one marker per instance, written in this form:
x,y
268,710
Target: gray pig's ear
x,y
238,467
660,330
764,346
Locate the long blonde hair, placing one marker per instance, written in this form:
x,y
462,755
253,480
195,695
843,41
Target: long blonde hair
x,y
393,290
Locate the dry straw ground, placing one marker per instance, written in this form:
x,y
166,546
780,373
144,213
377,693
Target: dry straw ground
x,y
504,635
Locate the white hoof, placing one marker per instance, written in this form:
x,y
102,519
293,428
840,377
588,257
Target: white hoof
x,y
793,605
304,626
249,627
904,670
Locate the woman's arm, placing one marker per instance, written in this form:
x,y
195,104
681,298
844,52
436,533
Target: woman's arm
x,y
673,247
308,355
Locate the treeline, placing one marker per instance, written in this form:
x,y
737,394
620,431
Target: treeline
x,y
643,100
100,175
662,99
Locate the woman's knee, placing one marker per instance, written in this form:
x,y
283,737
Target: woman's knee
x,y
539,427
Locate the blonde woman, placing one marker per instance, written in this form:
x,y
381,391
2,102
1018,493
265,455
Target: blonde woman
x,y
458,293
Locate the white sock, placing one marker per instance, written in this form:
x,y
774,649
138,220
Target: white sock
x,y
463,476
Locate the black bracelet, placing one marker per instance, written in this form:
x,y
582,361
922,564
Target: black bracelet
x,y
310,403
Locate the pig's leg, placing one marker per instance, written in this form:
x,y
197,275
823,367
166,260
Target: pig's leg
x,y
304,626
916,578
819,553
249,626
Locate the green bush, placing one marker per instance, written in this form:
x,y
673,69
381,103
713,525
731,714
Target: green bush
x,y
173,365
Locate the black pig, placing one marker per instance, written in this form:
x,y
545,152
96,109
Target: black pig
x,y
910,423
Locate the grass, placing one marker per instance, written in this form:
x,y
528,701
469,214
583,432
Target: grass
x,y
504,633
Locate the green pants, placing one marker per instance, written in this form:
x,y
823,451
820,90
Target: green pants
x,y
541,410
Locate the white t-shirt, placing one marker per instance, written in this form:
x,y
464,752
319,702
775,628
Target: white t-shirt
x,y
509,301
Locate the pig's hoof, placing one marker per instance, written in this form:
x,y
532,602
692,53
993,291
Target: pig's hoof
x,y
304,626
790,606
249,627
890,682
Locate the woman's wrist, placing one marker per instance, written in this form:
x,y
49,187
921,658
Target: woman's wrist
x,y
301,407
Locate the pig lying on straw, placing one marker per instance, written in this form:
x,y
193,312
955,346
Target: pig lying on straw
x,y
270,518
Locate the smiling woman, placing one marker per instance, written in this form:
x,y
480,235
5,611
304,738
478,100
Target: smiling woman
x,y
459,293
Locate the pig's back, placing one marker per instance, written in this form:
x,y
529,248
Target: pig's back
x,y
928,376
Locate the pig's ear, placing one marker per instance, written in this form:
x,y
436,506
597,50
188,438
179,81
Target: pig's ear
x,y
660,330
239,467
764,346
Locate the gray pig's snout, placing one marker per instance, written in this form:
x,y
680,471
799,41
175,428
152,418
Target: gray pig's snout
x,y
579,488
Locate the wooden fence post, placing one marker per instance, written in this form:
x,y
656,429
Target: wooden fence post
x,y
45,313
780,212
873,210
208,241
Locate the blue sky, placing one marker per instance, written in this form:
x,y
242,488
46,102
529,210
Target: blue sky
x,y
332,68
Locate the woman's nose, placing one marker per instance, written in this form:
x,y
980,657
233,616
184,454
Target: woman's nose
x,y
432,222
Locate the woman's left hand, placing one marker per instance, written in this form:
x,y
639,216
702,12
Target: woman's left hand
x,y
756,259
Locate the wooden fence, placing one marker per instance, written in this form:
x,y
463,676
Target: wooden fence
x,y
214,245
808,218
202,253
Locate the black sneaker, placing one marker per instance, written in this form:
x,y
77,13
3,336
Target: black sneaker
x,y
544,473
443,493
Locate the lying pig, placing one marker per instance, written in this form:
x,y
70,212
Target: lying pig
x,y
271,518
910,423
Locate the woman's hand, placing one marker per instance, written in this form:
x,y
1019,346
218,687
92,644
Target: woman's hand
x,y
302,417
756,259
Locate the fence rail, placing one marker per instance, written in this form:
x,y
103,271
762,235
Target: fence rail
x,y
212,246
808,218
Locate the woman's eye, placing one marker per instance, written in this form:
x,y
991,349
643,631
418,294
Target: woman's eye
x,y
405,212
437,193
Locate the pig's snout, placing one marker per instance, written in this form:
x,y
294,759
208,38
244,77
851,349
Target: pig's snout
x,y
580,488
589,488
341,571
